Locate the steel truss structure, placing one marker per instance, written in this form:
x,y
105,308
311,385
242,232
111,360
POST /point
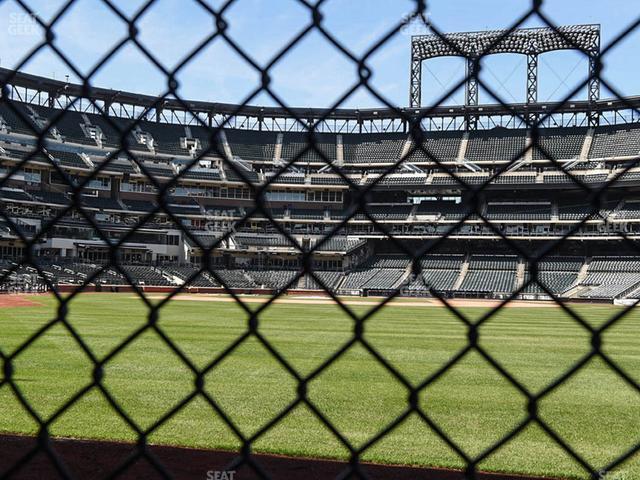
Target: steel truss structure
x,y
58,94
531,42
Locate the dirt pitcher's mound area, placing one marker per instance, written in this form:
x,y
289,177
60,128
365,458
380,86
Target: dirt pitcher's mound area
x,y
8,301
90,459
371,301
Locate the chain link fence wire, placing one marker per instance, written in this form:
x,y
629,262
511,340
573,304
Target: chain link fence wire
x,y
595,195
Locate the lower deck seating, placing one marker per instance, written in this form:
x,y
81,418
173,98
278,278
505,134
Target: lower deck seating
x,y
604,292
331,280
611,277
15,278
442,262
384,279
75,273
556,274
489,281
234,278
383,272
439,281
192,277
604,285
490,274
598,278
356,280
143,275
555,282
272,279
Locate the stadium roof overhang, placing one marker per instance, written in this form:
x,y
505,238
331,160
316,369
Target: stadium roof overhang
x,y
50,90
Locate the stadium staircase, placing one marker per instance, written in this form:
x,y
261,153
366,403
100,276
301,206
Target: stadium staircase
x,y
584,271
144,138
85,158
400,283
277,151
462,152
614,213
136,168
408,275
430,178
578,289
302,283
249,279
406,147
555,215
520,275
232,244
412,215
463,273
339,151
174,279
586,146
167,276
189,142
227,151
528,154
42,122
87,128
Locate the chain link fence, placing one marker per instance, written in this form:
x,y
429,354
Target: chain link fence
x,y
595,195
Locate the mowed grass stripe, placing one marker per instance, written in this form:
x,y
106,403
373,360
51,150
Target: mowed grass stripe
x,y
595,412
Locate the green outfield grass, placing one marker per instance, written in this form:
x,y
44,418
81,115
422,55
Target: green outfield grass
x,y
595,412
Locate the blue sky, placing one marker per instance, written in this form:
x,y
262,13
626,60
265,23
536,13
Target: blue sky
x,y
314,73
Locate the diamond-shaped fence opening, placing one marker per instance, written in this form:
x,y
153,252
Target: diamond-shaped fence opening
x,y
209,220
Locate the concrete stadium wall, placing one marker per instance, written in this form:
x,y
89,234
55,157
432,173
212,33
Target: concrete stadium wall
x,y
190,290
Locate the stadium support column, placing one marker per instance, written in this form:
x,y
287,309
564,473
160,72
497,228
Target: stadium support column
x,y
472,82
532,84
532,78
471,94
594,89
415,96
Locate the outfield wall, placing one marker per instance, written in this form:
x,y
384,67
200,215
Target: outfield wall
x,y
303,293
190,290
